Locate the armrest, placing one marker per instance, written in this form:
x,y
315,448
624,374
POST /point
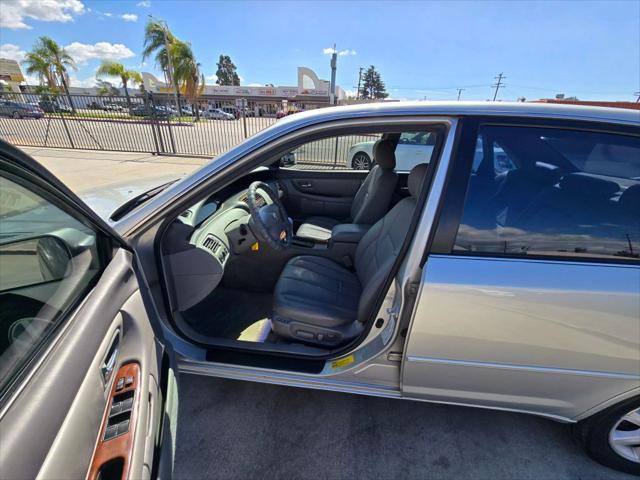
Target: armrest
x,y
349,232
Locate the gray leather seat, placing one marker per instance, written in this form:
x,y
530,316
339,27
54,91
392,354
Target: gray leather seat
x,y
371,201
319,301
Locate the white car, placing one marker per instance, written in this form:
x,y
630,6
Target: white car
x,y
217,114
413,148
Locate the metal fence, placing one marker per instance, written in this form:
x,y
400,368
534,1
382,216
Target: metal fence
x,y
154,123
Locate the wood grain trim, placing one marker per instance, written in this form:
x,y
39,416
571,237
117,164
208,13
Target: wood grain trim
x,y
120,446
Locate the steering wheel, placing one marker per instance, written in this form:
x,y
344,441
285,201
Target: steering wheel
x,y
270,222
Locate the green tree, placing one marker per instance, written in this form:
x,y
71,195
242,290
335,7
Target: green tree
x,y
159,40
187,74
226,73
372,85
58,61
114,69
36,64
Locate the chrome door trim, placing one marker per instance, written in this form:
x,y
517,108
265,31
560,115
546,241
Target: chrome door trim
x,y
528,368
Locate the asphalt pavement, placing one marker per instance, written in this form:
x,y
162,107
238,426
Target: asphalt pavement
x,y
239,430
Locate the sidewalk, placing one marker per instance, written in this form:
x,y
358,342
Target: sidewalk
x,y
83,170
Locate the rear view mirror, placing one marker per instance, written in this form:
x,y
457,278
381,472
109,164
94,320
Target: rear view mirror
x,y
33,261
288,160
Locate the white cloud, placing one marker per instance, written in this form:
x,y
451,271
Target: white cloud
x,y
144,4
341,53
12,52
254,85
108,14
82,52
14,12
84,82
212,78
129,17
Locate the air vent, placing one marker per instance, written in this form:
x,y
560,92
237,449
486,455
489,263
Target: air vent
x,y
211,243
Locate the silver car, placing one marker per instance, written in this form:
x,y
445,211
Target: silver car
x,y
502,272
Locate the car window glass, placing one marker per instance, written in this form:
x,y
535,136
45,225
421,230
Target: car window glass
x,y
414,148
554,192
48,259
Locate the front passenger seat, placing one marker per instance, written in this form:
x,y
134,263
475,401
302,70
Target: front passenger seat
x,y
371,201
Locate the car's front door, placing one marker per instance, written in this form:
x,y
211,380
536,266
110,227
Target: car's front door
x,y
87,388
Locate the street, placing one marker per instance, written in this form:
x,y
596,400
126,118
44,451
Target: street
x,y
229,429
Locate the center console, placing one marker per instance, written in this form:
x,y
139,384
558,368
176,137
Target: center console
x,y
341,247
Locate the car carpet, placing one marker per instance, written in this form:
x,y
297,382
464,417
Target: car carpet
x,y
233,314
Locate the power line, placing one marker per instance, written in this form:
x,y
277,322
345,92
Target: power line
x,y
498,85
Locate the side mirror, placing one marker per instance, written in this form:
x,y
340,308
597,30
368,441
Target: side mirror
x,y
288,160
33,261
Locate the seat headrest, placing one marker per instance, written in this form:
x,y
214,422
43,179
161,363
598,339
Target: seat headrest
x,y
582,184
416,178
384,154
630,198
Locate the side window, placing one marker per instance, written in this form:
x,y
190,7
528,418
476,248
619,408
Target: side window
x,y
48,260
414,148
554,192
345,152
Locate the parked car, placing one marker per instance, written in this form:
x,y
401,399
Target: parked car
x,y
217,114
54,106
503,283
232,111
149,111
10,108
95,106
113,107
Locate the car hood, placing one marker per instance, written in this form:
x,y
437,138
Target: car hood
x,y
106,199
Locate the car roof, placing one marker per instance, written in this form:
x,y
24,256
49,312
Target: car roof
x,y
454,108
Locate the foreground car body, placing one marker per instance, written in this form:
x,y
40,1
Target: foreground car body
x,y
515,287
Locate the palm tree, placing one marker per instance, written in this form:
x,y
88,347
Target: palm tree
x,y
58,60
39,66
187,73
158,39
114,69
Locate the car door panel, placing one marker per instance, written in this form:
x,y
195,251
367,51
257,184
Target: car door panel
x,y
539,336
59,384
327,193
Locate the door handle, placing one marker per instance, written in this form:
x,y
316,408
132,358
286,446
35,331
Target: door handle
x,y
106,369
306,185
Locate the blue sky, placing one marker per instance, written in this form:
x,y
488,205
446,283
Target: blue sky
x,y
422,49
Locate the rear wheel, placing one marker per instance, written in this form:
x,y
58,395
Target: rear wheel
x,y
612,437
361,161
17,115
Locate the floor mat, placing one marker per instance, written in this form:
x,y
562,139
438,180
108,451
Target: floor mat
x,y
234,314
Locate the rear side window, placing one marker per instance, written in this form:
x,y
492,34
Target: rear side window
x,y
553,192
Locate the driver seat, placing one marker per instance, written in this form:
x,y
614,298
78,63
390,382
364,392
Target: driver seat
x,y
319,301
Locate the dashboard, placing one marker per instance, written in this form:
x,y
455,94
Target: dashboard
x,y
200,243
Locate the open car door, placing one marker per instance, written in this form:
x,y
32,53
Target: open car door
x,y
87,386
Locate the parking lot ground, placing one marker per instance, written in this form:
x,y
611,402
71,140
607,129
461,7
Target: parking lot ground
x,y
241,430
83,170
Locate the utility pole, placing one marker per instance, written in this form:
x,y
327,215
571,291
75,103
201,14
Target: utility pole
x,y
460,90
359,80
498,85
638,95
334,67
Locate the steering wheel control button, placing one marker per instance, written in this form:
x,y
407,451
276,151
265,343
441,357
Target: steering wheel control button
x,y
120,384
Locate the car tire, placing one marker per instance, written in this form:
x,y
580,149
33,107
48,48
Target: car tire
x,y
16,115
597,435
361,161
